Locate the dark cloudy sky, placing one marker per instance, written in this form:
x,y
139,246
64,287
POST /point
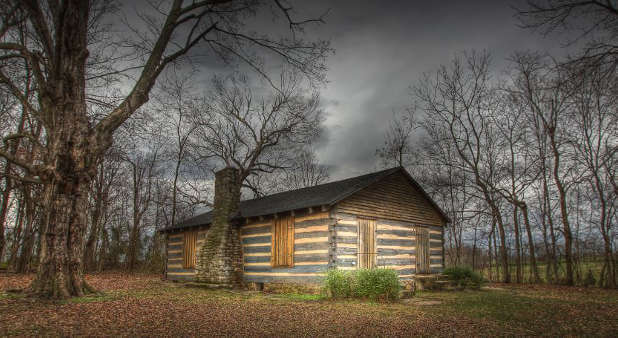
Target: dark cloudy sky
x,y
383,47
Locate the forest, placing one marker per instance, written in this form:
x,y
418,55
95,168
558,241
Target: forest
x,y
108,137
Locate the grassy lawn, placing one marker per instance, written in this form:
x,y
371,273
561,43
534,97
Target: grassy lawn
x,y
145,305
581,270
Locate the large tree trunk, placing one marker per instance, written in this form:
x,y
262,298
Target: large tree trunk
x,y
60,272
564,212
4,206
89,250
70,161
535,270
518,267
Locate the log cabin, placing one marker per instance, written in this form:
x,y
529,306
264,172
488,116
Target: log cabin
x,y
382,219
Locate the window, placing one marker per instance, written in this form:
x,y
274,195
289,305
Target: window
x,y
283,242
366,243
188,252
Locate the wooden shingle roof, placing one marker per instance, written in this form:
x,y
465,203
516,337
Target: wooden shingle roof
x,y
324,194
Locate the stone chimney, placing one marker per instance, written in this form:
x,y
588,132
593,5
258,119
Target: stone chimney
x,y
219,261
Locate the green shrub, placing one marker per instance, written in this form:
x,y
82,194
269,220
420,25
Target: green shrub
x,y
380,284
374,284
338,283
464,277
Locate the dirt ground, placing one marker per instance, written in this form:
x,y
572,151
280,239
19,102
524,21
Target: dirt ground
x,y
130,305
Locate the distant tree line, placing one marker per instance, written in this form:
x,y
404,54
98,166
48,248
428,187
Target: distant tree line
x,y
523,159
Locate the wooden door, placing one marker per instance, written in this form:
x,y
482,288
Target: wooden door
x,y
367,252
422,251
283,242
189,249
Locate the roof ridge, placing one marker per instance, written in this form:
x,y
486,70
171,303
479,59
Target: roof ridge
x,y
377,173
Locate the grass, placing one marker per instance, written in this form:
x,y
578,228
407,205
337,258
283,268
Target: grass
x,y
145,305
581,268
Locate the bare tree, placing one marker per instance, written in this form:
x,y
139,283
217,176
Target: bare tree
x,y
460,98
302,170
596,20
256,134
398,147
74,142
595,118
547,95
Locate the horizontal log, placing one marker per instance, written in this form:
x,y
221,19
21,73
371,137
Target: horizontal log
x,y
311,229
313,222
265,229
174,247
256,254
324,239
342,216
310,252
175,241
257,225
435,261
400,233
254,249
406,272
311,234
396,251
439,229
311,258
256,240
395,261
434,245
396,242
257,259
347,234
311,246
314,216
346,228
435,236
345,263
296,270
346,240
174,255
346,251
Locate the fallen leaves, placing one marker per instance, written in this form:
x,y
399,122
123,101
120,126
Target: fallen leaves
x,y
144,305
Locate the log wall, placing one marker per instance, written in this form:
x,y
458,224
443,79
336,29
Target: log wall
x,y
174,268
392,198
395,244
312,247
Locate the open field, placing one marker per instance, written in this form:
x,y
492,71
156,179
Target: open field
x,y
581,270
145,305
